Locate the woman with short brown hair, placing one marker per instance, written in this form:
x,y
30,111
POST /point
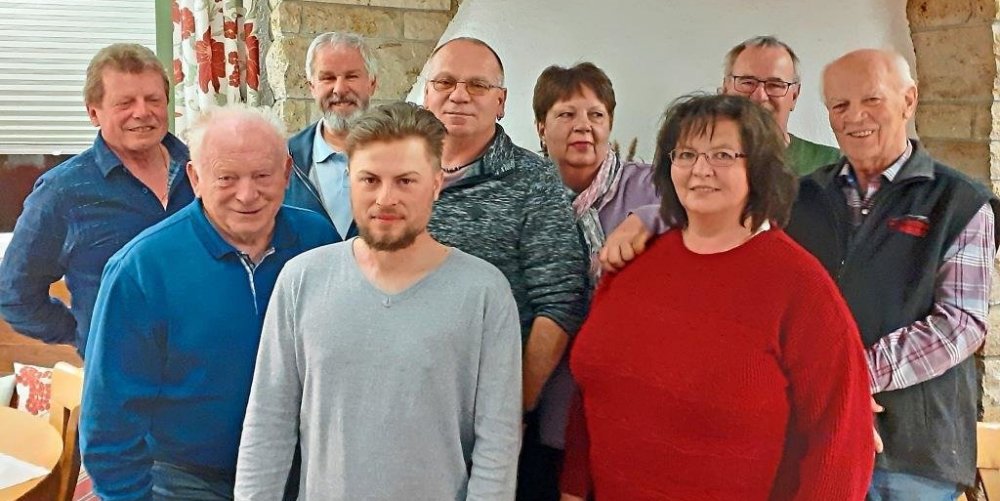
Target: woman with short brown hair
x,y
574,111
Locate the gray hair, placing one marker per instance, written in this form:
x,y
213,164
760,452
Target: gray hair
x,y
762,41
341,39
475,41
237,111
395,121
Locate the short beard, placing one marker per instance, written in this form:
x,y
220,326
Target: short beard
x,y
405,240
335,122
339,123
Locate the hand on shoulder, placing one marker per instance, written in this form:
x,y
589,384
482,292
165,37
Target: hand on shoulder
x,y
624,244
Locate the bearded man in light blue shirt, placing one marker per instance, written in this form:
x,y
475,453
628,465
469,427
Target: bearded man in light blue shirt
x,y
342,78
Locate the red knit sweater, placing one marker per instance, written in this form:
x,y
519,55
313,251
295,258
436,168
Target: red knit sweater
x,y
737,375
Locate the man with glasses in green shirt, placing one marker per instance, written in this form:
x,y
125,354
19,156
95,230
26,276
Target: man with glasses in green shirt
x,y
765,70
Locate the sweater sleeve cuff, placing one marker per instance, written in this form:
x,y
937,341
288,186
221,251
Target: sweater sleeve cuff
x,y
649,215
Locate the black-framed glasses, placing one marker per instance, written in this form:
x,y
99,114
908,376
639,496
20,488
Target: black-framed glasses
x,y
473,87
683,157
774,87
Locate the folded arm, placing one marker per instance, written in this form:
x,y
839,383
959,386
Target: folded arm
x,y
554,261
31,263
957,323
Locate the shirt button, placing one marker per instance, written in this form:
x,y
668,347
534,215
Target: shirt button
x,y
145,190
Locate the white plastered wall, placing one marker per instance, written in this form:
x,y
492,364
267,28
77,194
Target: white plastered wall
x,y
656,50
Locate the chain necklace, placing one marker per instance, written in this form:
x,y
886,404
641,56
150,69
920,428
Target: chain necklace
x,y
166,167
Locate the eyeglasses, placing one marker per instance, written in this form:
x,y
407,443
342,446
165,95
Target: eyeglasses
x,y
473,87
772,87
715,158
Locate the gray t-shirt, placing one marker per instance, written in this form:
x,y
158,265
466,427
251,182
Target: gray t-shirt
x,y
415,395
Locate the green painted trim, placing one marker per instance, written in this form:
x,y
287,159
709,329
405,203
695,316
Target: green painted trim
x,y
165,48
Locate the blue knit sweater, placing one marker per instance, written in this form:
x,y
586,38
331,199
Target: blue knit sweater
x,y
172,348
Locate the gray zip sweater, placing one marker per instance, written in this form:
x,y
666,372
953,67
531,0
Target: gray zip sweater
x,y
512,210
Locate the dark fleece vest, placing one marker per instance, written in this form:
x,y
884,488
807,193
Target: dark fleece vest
x,y
886,270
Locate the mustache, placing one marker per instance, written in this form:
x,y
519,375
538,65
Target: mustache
x,y
335,98
384,213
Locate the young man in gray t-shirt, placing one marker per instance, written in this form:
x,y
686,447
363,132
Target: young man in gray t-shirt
x,y
394,360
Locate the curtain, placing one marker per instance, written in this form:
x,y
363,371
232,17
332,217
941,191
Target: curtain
x,y
217,55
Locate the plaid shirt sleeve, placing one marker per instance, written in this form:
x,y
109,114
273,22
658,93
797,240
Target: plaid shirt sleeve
x,y
956,325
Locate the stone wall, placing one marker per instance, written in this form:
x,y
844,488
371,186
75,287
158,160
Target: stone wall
x,y
957,43
402,32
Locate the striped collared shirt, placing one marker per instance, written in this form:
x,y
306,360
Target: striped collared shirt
x,y
956,325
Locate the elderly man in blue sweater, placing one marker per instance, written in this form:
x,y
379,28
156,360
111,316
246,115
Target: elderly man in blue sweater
x,y
179,314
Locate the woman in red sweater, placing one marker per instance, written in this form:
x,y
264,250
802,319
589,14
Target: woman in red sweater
x,y
723,362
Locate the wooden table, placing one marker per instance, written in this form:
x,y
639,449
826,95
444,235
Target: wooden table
x,y
31,439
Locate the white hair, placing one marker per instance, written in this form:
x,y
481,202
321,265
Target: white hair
x,y
236,112
902,69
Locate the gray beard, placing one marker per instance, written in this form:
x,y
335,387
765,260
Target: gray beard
x,y
335,122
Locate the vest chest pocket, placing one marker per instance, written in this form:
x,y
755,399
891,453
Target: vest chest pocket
x,y
910,224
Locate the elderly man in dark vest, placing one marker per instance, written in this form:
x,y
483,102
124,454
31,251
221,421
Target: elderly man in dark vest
x,y
910,242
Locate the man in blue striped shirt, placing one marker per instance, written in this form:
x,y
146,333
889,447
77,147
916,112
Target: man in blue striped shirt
x,y
86,208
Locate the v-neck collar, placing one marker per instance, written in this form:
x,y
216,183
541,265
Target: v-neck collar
x,y
388,299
